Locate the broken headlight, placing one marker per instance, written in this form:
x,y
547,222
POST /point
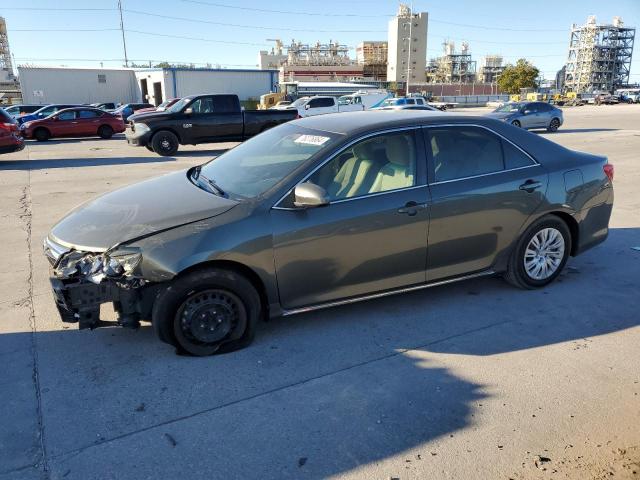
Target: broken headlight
x,y
95,267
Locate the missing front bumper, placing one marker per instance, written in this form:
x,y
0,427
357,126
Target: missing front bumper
x,y
79,302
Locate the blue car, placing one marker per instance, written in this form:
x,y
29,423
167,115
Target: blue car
x,y
44,112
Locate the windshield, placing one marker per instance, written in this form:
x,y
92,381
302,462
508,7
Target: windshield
x,y
257,165
390,102
509,107
179,105
299,102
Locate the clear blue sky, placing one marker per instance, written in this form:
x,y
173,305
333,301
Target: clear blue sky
x,y
489,26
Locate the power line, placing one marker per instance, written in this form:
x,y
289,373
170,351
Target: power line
x,y
284,12
199,39
251,27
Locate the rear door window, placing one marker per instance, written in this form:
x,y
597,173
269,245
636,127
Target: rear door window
x,y
462,152
224,104
87,114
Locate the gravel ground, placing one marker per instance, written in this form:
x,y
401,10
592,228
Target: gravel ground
x,y
473,380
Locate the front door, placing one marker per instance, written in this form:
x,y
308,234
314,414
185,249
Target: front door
x,y
65,124
483,189
370,238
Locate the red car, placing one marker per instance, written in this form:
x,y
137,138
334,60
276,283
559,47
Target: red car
x,y
10,138
160,108
74,122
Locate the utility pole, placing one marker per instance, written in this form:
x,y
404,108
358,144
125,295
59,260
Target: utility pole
x,y
124,41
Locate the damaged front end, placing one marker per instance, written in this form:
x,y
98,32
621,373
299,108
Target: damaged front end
x,y
82,281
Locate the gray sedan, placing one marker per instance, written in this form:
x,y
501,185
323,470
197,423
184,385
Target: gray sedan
x,y
529,115
325,211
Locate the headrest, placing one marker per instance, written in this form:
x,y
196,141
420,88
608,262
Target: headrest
x,y
398,150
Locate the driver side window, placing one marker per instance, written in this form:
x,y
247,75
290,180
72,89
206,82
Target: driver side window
x,y
382,163
67,116
203,105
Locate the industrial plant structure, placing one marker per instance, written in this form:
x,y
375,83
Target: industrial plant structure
x,y
452,67
373,56
491,68
599,56
9,85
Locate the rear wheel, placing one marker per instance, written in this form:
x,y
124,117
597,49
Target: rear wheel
x,y
165,143
516,123
42,134
105,132
149,147
553,125
540,254
206,312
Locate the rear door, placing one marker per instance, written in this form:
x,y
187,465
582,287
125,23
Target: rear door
x,y
88,122
215,118
483,189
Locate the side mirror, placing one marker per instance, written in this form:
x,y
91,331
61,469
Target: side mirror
x,y
188,111
310,195
306,107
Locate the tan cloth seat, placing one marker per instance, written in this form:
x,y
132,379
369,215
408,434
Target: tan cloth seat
x,y
400,171
352,178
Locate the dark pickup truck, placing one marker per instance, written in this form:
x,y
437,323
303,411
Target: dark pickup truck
x,y
201,119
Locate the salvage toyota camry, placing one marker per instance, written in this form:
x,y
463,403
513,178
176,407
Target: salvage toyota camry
x,y
325,211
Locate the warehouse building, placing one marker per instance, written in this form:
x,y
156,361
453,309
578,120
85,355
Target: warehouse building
x,y
153,85
45,85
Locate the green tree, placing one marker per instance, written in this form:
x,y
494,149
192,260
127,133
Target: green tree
x,y
521,75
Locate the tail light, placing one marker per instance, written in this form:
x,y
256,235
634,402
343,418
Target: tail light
x,y
11,127
608,171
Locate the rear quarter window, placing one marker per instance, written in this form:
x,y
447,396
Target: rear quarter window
x,y
514,157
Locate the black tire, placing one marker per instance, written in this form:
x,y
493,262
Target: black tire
x,y
554,125
225,304
149,147
165,143
516,273
41,134
516,123
105,132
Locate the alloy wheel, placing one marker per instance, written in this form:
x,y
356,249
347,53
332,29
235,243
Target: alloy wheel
x,y
544,254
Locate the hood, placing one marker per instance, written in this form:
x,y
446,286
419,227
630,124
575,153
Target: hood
x,y
500,115
136,211
140,117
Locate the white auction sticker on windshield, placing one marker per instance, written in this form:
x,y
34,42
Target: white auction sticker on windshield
x,y
311,139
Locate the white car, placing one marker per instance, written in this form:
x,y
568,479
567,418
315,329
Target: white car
x,y
368,99
310,106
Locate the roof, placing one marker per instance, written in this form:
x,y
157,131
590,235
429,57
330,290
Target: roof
x,y
353,124
357,122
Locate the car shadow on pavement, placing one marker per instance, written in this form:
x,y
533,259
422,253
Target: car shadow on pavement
x,y
50,163
76,140
317,394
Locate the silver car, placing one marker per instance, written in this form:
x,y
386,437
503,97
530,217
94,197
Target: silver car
x,y
529,115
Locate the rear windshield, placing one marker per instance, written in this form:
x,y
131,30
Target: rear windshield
x,y
6,118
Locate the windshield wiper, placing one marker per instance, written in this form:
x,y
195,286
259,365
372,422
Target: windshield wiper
x,y
213,185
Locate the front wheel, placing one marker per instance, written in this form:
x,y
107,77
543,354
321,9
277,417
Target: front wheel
x,y
42,134
540,254
165,143
553,125
516,123
207,311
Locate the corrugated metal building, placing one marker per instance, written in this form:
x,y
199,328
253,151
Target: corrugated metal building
x,y
83,85
44,85
180,82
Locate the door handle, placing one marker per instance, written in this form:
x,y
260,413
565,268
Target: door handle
x,y
410,208
530,185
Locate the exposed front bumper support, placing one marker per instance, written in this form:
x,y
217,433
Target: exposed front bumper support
x,y
79,301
